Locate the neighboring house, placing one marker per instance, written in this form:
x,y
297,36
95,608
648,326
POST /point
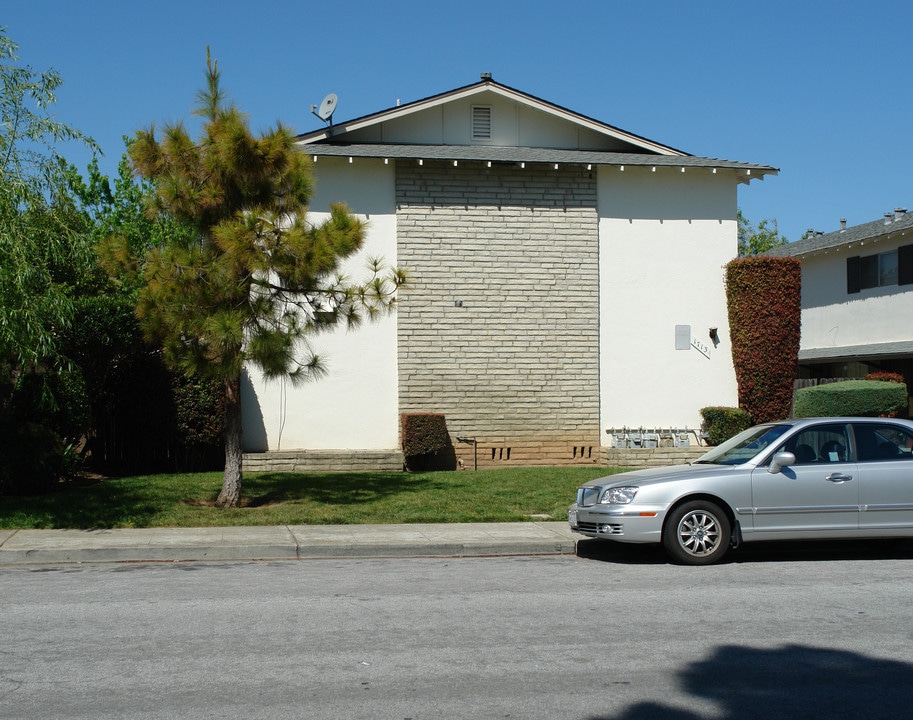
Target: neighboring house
x,y
857,299
566,278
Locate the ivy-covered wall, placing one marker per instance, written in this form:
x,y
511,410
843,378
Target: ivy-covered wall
x,y
764,299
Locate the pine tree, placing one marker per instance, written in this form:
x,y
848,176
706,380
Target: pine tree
x,y
257,278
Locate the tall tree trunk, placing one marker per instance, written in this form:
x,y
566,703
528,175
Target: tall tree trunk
x,y
231,480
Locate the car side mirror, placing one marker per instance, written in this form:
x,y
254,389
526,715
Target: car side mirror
x,y
780,461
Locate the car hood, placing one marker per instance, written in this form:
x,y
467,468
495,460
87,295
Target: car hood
x,y
654,476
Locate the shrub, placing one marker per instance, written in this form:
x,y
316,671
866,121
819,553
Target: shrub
x,y
42,415
199,423
33,461
143,417
55,399
763,296
426,442
853,397
722,423
884,376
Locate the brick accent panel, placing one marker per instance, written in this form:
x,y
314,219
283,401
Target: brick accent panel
x,y
519,451
517,363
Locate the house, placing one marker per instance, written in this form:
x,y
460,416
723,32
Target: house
x,y
857,299
566,280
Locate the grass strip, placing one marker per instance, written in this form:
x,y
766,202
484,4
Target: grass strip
x,y
186,500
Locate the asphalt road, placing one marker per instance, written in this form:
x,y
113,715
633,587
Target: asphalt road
x,y
617,634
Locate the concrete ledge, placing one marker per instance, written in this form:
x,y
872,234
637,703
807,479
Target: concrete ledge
x,y
649,457
324,461
529,454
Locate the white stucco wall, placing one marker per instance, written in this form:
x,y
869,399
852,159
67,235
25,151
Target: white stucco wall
x,y
665,237
355,406
833,318
512,125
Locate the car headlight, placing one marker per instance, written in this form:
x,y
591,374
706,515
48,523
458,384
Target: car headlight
x,y
618,495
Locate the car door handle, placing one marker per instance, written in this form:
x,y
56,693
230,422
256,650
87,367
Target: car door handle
x,y
838,478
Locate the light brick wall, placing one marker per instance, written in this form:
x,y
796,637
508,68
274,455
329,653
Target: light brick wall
x,y
517,366
649,457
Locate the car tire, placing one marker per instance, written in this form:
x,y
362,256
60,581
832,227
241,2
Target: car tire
x,y
697,533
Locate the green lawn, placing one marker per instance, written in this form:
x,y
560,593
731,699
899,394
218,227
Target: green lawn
x,y
508,495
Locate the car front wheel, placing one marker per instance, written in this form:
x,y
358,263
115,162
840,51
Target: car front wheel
x,y
697,533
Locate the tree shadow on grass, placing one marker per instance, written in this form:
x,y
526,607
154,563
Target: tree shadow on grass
x,y
792,681
103,504
141,501
284,497
265,489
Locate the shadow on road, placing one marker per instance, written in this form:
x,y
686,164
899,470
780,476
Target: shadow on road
x,y
759,552
624,553
793,681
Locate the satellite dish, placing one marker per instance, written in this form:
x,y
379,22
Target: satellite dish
x,y
327,108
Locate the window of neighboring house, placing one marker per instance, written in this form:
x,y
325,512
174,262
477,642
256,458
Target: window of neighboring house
x,y
868,269
881,270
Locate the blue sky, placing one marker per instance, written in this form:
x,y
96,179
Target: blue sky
x,y
819,90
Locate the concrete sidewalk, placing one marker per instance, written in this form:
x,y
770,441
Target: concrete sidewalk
x,y
287,542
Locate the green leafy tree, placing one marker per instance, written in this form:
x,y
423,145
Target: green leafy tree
x,y
758,240
257,278
45,261
43,253
144,418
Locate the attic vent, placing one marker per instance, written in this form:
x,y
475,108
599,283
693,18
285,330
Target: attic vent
x,y
481,122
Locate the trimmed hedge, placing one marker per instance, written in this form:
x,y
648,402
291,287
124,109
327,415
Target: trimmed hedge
x,y
426,442
870,398
722,423
764,301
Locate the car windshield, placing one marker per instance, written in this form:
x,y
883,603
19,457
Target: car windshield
x,y
744,446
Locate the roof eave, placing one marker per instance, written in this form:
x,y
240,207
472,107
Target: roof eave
x,y
854,352
877,230
496,154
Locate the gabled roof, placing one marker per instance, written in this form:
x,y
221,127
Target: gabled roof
x,y
900,221
339,130
353,138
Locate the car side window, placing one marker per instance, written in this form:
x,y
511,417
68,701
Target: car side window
x,y
877,441
819,444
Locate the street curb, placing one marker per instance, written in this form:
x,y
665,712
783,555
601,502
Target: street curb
x,y
37,547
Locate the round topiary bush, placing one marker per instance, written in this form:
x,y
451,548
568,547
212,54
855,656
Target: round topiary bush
x,y
868,398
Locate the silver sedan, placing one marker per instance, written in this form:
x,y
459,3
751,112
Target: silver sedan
x,y
816,478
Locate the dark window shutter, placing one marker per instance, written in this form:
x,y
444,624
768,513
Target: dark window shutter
x,y
905,265
853,276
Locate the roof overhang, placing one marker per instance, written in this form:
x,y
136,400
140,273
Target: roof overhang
x,y
894,226
519,155
881,351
